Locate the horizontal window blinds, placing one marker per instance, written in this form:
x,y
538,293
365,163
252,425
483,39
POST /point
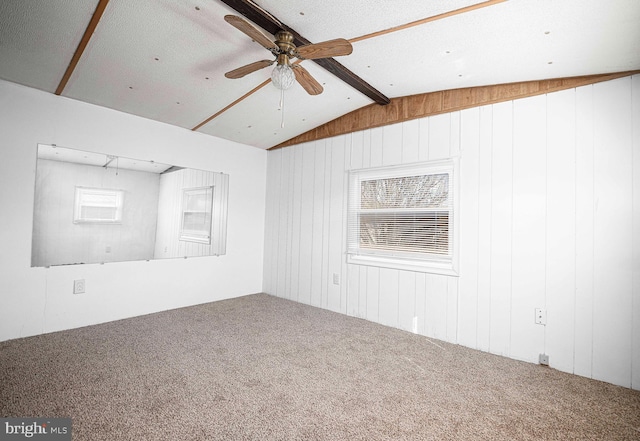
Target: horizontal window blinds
x,y
404,212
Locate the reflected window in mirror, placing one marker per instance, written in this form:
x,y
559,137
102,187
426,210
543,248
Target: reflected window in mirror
x,y
197,206
98,205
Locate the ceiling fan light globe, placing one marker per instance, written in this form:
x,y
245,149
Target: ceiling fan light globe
x,y
283,76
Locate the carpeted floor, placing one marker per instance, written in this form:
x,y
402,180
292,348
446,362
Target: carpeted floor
x,y
262,368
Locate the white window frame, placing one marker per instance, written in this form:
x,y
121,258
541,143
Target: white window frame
x,y
198,236
83,196
420,262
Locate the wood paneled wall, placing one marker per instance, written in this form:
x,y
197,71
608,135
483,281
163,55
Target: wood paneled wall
x,y
549,218
172,186
427,104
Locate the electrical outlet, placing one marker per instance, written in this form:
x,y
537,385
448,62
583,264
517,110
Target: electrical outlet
x,y
541,316
78,286
543,359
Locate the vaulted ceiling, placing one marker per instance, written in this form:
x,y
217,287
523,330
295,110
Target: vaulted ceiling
x,y
166,59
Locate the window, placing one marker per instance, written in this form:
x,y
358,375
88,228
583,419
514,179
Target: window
x,y
404,217
197,206
97,205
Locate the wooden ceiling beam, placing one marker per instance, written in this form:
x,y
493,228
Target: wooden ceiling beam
x,y
271,24
220,112
428,20
88,33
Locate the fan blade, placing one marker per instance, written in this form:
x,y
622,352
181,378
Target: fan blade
x,y
244,26
249,68
327,49
306,80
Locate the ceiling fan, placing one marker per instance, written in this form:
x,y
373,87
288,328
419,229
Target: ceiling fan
x,y
285,73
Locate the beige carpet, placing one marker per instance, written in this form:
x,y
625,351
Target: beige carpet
x,y
263,368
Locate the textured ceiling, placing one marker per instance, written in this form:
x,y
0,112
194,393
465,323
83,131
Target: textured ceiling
x,y
165,59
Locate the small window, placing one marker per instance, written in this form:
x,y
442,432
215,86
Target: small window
x,y
403,217
197,207
97,205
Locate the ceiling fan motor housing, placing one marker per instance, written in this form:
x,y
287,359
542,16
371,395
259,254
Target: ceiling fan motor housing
x,y
284,41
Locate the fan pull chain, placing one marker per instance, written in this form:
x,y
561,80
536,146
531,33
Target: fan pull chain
x,y
282,108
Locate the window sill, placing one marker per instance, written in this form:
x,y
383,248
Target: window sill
x,y
428,266
195,239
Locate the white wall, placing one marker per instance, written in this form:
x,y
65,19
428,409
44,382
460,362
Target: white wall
x,y
39,300
58,240
549,218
